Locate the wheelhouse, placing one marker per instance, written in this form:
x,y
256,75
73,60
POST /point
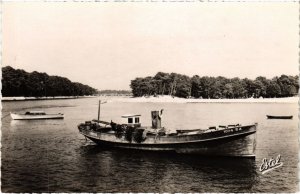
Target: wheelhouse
x,y
131,120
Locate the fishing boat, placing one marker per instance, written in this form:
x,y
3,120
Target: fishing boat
x,y
34,115
279,117
230,140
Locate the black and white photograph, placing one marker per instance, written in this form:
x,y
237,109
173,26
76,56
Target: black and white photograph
x,y
149,96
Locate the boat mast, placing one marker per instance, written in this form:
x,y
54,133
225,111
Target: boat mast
x,y
99,110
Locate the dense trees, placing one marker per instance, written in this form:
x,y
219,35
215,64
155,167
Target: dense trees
x,y
215,87
16,82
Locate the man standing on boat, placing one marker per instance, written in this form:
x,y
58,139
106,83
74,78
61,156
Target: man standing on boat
x,y
156,119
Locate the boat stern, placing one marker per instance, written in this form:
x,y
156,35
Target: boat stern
x,y
242,144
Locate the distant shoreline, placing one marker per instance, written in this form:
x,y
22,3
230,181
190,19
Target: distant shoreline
x,y
22,98
161,99
171,99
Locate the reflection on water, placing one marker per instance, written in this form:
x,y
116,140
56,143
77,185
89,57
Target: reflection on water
x,y
51,156
164,171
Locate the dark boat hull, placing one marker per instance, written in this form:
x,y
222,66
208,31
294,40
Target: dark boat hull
x,y
279,117
234,142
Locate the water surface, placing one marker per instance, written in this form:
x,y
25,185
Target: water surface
x,y
51,156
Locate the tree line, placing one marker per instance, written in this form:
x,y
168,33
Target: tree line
x,y
115,92
214,87
17,82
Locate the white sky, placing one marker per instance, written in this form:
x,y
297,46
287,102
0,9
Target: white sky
x,y
105,45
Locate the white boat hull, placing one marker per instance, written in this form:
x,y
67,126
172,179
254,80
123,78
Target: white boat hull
x,y
35,117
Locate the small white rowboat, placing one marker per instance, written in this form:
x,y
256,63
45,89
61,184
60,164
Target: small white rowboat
x,y
33,115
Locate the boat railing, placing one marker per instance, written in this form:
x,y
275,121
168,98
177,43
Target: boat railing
x,y
95,127
103,122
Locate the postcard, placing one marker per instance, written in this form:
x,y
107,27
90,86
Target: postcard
x,y
139,96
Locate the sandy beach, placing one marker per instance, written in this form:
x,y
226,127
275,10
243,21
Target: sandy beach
x,y
163,99
183,100
21,98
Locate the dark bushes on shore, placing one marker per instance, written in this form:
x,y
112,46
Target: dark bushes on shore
x,y
17,82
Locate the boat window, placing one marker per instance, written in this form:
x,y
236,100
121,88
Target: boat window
x,y
137,119
130,120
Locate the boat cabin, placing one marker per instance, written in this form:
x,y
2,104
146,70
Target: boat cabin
x,y
131,120
35,113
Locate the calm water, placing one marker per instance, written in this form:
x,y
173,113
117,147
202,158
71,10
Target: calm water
x,y
51,156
